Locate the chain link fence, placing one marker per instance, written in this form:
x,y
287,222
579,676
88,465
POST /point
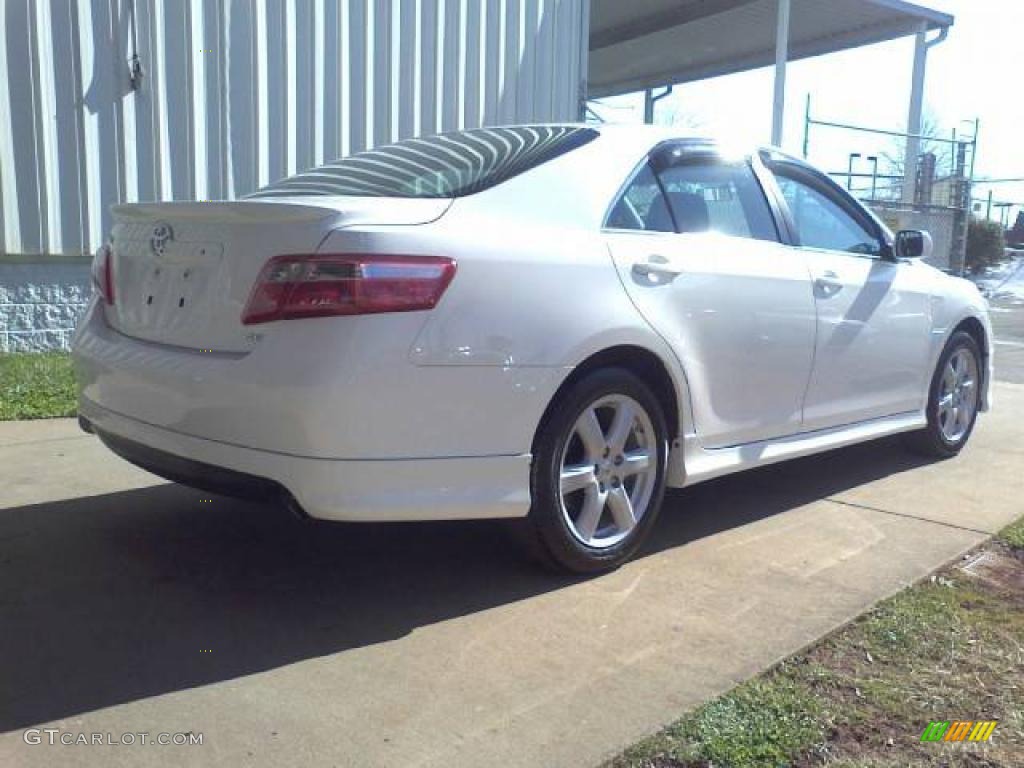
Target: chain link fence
x,y
935,195
943,223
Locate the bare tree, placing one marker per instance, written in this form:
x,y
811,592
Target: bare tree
x,y
672,114
895,157
666,113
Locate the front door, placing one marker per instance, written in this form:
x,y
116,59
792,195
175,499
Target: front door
x,y
873,318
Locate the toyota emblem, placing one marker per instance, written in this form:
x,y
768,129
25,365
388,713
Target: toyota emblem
x,y
162,234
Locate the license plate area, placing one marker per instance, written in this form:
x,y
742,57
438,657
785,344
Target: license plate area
x,y
175,281
163,293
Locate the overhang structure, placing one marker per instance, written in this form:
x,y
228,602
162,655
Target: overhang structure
x,y
638,45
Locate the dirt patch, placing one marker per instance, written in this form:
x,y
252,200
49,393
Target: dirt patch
x,y
1000,569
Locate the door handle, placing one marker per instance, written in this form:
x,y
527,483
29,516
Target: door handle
x,y
656,266
828,285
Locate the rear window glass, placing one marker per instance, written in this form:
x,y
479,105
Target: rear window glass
x,y
447,165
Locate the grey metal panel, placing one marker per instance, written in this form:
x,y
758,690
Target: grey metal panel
x,y
525,97
211,87
379,106
406,74
448,57
582,73
511,57
64,191
564,90
143,136
331,35
236,93
471,65
428,66
23,178
542,75
491,22
357,90
175,38
241,104
274,121
43,141
304,136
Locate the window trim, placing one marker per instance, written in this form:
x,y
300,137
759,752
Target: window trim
x,y
645,162
687,153
828,188
783,222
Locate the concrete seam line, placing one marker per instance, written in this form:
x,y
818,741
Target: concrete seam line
x,y
42,440
910,517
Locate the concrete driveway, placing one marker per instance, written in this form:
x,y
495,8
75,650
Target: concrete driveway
x,y
129,605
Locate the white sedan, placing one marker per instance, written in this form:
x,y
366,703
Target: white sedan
x,y
551,323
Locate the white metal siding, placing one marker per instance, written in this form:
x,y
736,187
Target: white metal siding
x,y
237,93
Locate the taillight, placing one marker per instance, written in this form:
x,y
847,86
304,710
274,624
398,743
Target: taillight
x,y
350,284
102,273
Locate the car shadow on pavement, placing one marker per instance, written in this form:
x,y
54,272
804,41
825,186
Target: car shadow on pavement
x,y
113,598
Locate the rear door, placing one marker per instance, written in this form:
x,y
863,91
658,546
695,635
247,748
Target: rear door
x,y
873,322
696,246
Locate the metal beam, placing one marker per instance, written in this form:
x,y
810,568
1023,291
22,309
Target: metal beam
x,y
651,101
935,19
760,58
913,149
781,57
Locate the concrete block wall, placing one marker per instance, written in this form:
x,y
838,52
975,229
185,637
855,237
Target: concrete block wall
x,y
40,304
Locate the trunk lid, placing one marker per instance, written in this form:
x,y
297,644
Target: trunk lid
x,y
183,272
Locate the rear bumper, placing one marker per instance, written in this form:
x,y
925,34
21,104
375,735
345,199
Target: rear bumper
x,y
330,388
328,489
178,469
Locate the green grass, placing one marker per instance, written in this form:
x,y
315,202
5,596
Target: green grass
x,y
36,386
759,723
1014,535
949,648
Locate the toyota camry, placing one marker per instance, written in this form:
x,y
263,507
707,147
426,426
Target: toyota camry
x,y
552,323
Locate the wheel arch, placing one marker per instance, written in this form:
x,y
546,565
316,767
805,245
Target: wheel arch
x,y
976,329
647,365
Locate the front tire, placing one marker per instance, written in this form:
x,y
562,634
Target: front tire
x,y
598,473
953,400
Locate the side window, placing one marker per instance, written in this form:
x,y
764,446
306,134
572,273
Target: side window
x,y
821,220
642,206
711,196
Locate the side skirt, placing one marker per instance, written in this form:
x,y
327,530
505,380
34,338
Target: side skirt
x,y
691,463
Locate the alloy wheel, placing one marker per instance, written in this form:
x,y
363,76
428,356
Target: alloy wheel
x,y
608,471
958,395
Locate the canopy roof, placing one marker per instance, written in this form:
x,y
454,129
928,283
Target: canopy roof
x,y
637,44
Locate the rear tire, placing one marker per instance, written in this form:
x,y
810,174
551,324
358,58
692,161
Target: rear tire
x,y
953,400
598,474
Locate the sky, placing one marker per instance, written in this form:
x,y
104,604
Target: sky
x,y
978,72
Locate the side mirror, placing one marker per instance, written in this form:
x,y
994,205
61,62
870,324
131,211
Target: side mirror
x,y
913,244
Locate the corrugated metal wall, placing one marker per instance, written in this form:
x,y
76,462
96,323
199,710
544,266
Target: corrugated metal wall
x,y
236,93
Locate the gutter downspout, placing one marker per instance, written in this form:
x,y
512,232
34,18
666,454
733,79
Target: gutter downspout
x,y
921,48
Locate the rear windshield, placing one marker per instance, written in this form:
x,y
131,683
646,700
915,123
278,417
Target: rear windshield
x,y
446,165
